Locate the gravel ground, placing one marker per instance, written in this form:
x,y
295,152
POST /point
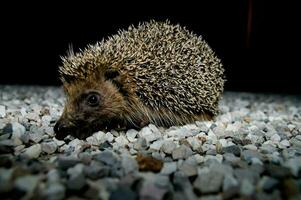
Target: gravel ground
x,y
251,151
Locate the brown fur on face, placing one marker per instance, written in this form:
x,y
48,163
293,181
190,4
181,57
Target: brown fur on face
x,y
80,119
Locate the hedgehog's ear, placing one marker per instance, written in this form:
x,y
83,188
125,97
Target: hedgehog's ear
x,y
115,77
111,74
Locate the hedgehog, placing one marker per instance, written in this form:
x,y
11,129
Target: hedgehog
x,y
156,72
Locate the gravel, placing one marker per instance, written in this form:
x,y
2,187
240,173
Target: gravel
x,y
252,150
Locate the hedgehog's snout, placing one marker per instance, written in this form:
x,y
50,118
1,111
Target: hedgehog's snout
x,y
61,130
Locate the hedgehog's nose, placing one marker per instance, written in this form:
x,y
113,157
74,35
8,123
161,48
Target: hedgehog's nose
x,y
61,130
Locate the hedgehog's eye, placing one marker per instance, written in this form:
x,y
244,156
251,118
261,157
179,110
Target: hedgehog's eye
x,y
93,99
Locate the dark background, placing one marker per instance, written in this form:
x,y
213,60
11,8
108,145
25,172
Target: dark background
x,y
258,41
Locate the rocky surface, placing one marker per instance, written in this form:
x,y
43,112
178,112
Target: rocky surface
x,y
250,151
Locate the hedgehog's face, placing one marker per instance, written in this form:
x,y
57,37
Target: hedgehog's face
x,y
90,107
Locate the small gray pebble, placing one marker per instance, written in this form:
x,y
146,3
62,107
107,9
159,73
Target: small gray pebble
x,y
209,182
268,183
65,162
168,147
27,183
181,152
49,147
247,155
96,170
232,149
54,191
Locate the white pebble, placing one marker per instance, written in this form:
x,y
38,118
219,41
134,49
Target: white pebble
x,y
156,145
99,135
18,129
36,108
49,131
145,132
19,148
46,118
223,142
198,158
33,117
168,146
291,127
17,141
219,129
91,140
169,168
149,135
275,138
49,147
131,135
121,141
109,137
181,152
36,137
195,143
133,151
250,147
33,151
295,165
233,127
2,111
23,112
212,137
255,160
154,128
258,115
179,133
285,143
217,157
97,138
59,142
226,118
77,144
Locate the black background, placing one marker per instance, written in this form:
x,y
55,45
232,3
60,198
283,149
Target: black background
x,y
266,59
